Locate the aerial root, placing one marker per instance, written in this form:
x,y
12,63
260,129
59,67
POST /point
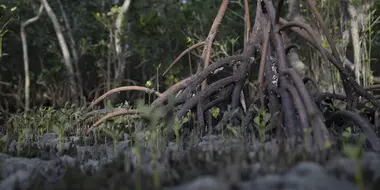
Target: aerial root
x,y
300,107
120,89
182,54
114,113
297,105
96,113
364,125
327,95
290,47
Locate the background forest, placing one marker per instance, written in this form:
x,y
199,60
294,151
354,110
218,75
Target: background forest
x,y
152,35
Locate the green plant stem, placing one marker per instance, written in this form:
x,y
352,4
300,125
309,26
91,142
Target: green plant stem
x,y
60,143
359,175
115,141
156,176
19,144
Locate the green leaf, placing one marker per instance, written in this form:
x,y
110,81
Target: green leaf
x,y
188,40
215,112
257,120
3,6
148,84
233,130
13,9
352,151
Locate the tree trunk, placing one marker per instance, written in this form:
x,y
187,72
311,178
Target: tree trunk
x,y
354,31
120,69
293,57
25,56
65,51
73,52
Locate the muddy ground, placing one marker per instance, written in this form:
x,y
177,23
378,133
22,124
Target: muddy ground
x,y
211,162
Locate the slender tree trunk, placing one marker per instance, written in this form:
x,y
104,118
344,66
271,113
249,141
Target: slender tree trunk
x,y
356,12
119,72
354,30
65,51
25,56
73,52
342,47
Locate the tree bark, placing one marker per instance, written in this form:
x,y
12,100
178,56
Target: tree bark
x,y
354,30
